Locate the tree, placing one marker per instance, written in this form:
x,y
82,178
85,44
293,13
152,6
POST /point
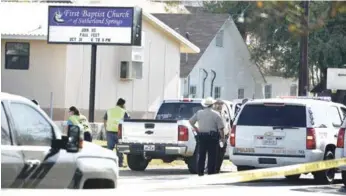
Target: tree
x,y
275,28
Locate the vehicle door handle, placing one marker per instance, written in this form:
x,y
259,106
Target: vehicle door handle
x,y
335,136
32,162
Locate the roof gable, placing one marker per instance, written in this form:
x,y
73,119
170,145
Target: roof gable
x,y
201,27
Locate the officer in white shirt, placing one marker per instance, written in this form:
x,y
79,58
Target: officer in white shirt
x,y
218,106
210,125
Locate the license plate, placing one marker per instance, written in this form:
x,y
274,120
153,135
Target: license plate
x,y
149,147
269,141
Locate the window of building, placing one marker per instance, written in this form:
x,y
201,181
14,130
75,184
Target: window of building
x,y
17,55
137,70
293,90
217,92
32,128
241,93
192,91
268,91
219,39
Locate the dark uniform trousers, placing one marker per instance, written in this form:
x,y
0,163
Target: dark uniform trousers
x,y
87,136
207,143
220,156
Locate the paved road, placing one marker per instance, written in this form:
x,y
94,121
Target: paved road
x,y
136,182
155,176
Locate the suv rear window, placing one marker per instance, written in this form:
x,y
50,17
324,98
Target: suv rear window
x,y
177,111
261,115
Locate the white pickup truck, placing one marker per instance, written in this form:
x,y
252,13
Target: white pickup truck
x,y
168,137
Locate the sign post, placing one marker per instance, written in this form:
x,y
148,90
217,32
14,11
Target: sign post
x,y
92,83
94,25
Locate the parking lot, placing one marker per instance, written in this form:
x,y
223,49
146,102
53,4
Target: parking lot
x,y
159,174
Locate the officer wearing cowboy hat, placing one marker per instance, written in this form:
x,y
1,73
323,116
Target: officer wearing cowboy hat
x,y
219,104
210,124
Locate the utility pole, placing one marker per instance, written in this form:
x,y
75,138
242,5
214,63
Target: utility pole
x,y
303,69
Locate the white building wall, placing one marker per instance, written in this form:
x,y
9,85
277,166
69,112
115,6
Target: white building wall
x,y
232,65
65,71
46,73
281,86
146,5
160,74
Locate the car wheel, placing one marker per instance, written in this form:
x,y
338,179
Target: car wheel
x,y
137,162
343,175
293,177
326,176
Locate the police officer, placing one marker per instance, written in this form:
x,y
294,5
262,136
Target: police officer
x,y
223,135
112,119
209,125
76,118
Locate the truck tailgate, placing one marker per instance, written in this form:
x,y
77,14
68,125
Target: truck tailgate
x,y
149,131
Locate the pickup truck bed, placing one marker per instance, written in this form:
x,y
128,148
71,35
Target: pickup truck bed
x,y
149,131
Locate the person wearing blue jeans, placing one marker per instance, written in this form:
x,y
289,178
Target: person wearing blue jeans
x,y
112,140
111,121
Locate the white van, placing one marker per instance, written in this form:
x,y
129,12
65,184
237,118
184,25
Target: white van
x,y
340,151
285,131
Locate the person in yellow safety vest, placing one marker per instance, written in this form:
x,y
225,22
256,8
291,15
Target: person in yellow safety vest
x,y
112,118
76,118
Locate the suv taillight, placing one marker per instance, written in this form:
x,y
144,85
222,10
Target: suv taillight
x,y
310,138
341,138
183,133
232,137
120,131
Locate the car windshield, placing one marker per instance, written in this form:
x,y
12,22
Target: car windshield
x,y
177,111
277,115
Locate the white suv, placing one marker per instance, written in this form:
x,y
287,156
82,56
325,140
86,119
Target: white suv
x,y
340,151
285,131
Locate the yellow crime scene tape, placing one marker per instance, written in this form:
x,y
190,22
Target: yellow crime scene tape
x,y
251,175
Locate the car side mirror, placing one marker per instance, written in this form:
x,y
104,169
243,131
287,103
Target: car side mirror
x,y
74,139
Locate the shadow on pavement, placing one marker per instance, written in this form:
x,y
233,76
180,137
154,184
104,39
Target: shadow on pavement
x,y
329,189
159,172
277,182
155,172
